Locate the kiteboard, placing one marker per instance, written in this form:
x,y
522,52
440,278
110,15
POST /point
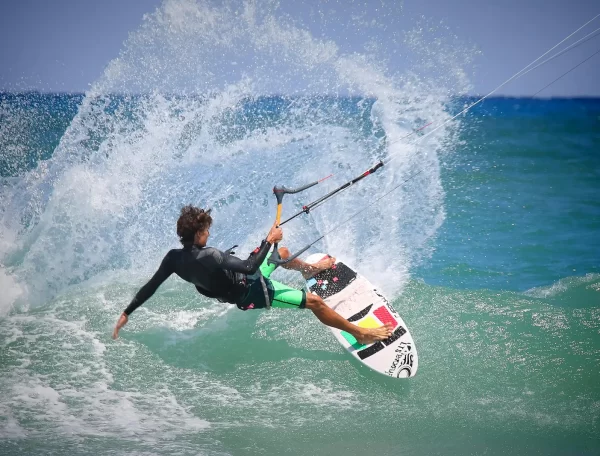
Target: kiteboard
x,y
356,299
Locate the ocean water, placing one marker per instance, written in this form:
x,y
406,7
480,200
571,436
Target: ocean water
x,y
488,249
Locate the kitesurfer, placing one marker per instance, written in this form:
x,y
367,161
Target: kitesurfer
x,y
245,283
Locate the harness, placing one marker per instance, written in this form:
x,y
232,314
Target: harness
x,y
263,284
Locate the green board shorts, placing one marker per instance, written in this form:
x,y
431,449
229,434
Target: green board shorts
x,y
280,295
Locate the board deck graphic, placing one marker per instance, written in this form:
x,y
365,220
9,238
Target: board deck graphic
x,y
356,299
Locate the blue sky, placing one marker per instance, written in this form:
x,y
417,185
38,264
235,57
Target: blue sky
x,y
64,45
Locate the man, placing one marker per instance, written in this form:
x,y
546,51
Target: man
x,y
246,283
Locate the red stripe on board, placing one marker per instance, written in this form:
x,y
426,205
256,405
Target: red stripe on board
x,y
385,317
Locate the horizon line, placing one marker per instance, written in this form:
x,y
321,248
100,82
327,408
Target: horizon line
x,y
83,93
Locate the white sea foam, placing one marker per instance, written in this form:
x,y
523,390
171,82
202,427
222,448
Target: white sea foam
x,y
12,291
75,396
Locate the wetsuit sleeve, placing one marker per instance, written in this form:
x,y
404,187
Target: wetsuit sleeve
x,y
164,271
250,265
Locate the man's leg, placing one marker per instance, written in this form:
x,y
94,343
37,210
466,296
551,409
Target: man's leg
x,y
308,270
330,317
290,298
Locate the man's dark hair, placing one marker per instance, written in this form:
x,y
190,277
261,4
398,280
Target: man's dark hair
x,y
191,220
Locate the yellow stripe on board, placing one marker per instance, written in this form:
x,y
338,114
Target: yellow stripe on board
x,y
369,322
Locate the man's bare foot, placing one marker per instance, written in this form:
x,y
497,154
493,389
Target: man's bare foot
x,y
370,335
319,266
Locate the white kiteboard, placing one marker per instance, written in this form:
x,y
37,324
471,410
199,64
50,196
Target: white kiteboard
x,y
357,300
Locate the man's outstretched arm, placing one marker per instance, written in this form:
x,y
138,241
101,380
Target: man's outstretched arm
x,y
163,273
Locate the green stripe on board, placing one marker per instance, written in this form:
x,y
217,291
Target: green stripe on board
x,y
352,341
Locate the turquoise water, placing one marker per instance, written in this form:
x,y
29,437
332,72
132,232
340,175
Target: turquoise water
x,y
488,250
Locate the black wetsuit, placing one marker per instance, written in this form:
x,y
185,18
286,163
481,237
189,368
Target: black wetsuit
x,y
216,274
